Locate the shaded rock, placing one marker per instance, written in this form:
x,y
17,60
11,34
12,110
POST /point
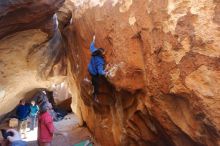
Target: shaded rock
x,y
163,58
31,49
18,15
65,14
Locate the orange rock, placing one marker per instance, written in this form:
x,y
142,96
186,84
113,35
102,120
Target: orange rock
x,y
163,58
17,15
31,49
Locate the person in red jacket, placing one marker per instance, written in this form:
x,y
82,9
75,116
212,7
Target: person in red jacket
x,y
45,127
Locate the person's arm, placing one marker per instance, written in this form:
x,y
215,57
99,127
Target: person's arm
x,y
17,111
92,45
49,125
37,107
100,66
28,108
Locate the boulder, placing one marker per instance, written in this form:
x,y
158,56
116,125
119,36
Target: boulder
x,y
163,60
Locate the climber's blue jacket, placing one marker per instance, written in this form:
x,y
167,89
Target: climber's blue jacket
x,y
96,65
92,47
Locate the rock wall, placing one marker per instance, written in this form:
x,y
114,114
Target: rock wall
x,y
31,49
163,58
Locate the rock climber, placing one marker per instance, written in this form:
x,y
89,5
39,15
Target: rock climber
x,y
22,112
96,67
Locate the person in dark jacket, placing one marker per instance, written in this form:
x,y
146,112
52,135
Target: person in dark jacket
x,y
96,67
22,114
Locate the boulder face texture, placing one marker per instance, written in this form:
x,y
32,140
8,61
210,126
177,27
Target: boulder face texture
x,y
31,49
17,15
164,62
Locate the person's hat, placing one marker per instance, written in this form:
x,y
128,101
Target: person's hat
x,y
43,107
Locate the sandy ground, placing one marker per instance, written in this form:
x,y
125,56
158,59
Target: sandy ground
x,y
67,133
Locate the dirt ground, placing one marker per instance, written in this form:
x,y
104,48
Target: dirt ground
x,y
67,132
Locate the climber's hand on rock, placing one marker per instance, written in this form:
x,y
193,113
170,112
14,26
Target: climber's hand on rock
x,y
94,38
16,135
107,68
107,74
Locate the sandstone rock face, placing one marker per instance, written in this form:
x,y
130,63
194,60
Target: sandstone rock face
x,y
17,15
31,49
60,93
163,58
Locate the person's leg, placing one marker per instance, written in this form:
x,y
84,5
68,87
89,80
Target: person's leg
x,y
95,83
25,128
47,144
44,144
19,126
32,122
40,143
